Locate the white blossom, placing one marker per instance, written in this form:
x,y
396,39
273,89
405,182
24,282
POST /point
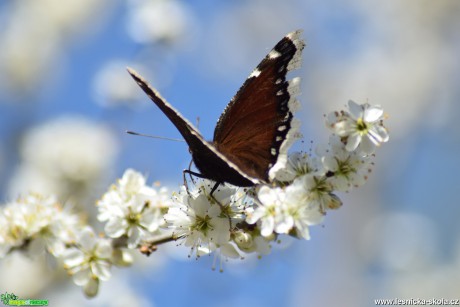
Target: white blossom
x,y
114,87
362,127
158,21
303,211
317,191
231,223
198,219
232,200
38,221
270,212
345,169
89,261
298,164
283,211
133,209
65,157
63,230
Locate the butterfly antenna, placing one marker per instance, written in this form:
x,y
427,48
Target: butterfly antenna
x,y
154,136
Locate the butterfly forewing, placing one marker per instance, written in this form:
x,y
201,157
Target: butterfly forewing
x,y
258,119
185,128
212,164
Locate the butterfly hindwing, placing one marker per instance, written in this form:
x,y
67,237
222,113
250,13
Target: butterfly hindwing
x,y
256,123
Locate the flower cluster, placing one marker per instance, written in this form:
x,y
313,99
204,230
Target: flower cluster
x,y
207,222
61,157
361,128
33,222
132,209
234,221
89,260
229,221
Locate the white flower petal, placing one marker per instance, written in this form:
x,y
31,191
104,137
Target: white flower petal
x,y
265,195
151,220
200,205
284,225
262,246
353,142
330,163
304,232
205,250
214,211
256,215
372,114
134,237
101,269
343,128
383,133
73,257
104,249
137,203
116,227
229,251
367,146
267,226
356,110
221,232
82,277
340,183
132,181
87,239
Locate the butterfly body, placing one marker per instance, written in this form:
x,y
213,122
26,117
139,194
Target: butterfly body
x,y
252,134
205,160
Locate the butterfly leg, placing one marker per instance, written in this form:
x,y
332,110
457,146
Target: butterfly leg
x,y
189,167
188,171
214,188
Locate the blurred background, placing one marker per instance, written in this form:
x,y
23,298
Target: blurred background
x,y
66,101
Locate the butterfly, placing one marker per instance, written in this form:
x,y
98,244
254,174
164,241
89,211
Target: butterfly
x,y
255,129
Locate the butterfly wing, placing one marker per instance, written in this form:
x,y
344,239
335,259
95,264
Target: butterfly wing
x,y
185,128
257,125
212,164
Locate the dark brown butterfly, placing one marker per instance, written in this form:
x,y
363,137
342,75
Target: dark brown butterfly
x,y
252,134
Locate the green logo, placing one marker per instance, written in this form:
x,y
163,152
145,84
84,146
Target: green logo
x,y
12,300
